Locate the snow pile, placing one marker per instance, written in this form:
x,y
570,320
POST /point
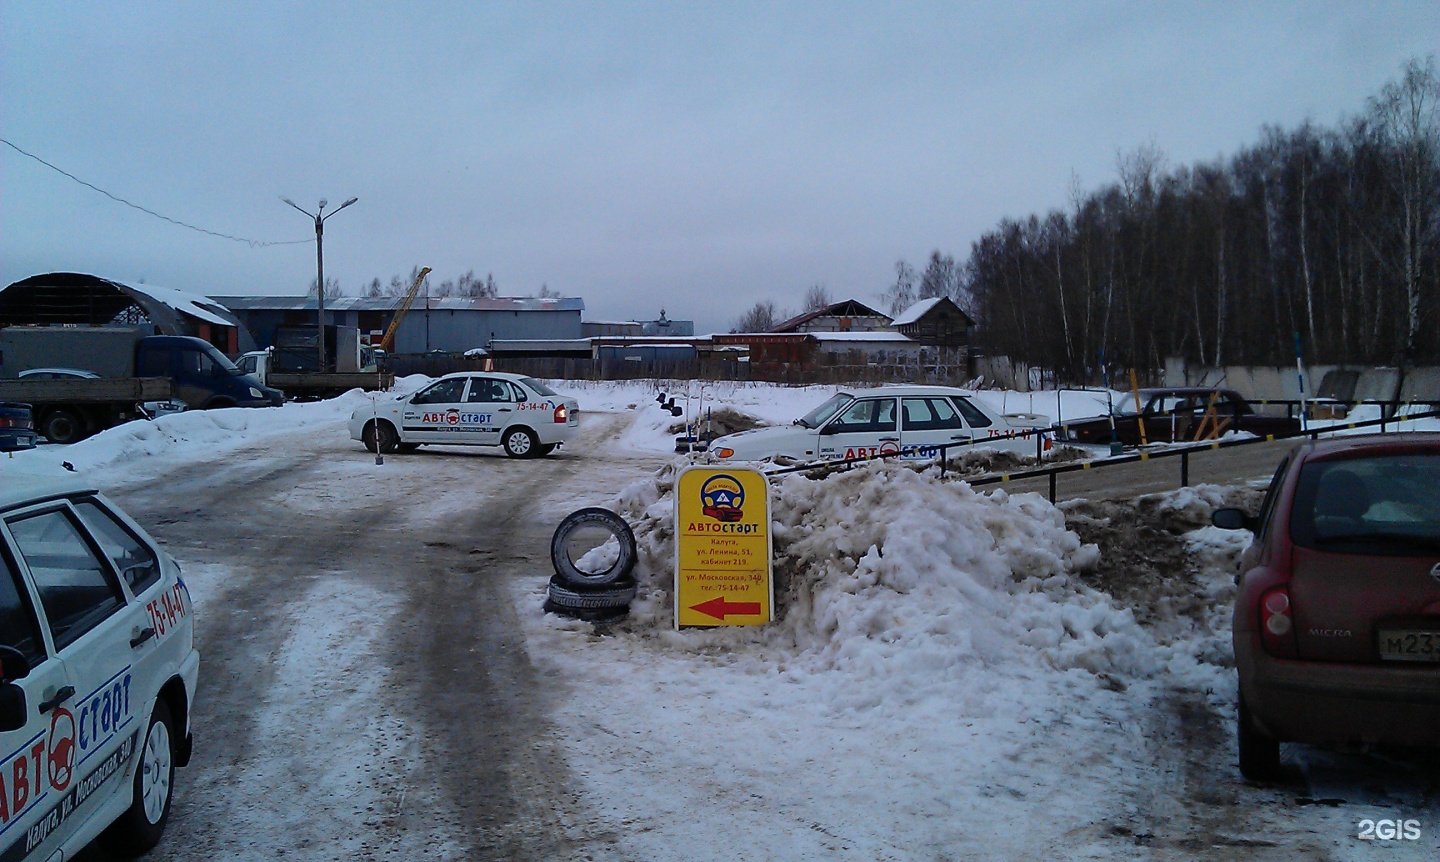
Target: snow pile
x,y
890,576
199,434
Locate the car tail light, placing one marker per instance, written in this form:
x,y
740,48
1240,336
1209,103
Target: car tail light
x,y
1277,625
14,422
724,452
561,414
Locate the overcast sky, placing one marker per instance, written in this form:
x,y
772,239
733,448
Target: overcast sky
x,y
698,157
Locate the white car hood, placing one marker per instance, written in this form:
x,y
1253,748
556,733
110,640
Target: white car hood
x,y
793,441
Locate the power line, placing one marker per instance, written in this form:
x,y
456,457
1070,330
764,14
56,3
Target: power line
x,y
253,243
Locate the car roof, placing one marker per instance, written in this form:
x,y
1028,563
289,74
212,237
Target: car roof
x,y
902,389
1356,445
503,375
75,372
22,489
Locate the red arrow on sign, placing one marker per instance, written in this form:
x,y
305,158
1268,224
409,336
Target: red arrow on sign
x,y
719,608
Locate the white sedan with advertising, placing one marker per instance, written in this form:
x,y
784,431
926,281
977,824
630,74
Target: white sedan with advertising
x,y
910,422
520,414
97,674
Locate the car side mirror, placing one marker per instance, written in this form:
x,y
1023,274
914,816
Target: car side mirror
x,y
13,664
13,710
1232,519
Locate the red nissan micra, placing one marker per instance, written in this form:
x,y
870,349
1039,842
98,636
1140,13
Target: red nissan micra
x,y
1337,615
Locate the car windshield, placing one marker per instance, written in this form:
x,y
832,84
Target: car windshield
x,y
538,387
1125,406
817,417
1381,504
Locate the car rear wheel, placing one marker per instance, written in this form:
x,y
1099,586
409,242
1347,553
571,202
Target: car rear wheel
x,y
521,443
63,426
1259,752
140,827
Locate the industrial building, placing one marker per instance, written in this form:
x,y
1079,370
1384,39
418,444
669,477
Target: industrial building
x,y
451,324
80,299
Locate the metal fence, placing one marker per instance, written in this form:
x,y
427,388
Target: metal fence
x,y
1181,452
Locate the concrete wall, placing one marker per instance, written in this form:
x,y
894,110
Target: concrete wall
x,y
1281,383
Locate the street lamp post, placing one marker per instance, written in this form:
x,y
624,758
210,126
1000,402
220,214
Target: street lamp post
x,y
319,217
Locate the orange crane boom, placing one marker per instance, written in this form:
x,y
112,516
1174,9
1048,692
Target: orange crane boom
x,y
388,341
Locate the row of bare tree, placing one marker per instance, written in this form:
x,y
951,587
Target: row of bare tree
x,y
1331,234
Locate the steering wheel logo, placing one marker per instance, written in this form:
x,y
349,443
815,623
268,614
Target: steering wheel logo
x,y
723,498
61,748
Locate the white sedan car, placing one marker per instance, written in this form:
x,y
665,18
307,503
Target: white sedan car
x,y
519,413
909,422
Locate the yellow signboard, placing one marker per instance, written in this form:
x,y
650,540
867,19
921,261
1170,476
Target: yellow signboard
x,y
723,574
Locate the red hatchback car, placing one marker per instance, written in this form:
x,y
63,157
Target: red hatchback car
x,y
1337,615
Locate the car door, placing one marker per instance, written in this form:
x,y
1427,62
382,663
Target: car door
x,y
927,424
433,414
490,406
96,630
866,428
29,790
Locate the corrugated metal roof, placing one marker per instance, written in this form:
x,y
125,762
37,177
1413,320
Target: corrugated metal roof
x,y
391,303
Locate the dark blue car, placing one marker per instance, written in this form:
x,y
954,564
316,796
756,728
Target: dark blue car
x,y
17,427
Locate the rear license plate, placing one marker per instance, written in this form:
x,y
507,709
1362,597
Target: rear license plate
x,y
1410,645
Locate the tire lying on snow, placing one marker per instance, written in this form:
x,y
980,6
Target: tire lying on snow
x,y
617,594
595,615
579,579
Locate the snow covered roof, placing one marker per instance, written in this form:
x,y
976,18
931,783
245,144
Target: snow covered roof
x,y
192,304
843,308
391,303
859,336
916,311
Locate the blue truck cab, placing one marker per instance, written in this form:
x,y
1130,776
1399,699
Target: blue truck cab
x,y
203,377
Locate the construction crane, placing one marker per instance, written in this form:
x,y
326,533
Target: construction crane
x,y
388,341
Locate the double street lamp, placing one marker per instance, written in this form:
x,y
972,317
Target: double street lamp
x,y
320,217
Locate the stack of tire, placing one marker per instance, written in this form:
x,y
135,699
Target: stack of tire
x,y
594,596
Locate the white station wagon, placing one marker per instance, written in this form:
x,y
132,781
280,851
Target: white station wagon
x,y
909,422
97,674
518,413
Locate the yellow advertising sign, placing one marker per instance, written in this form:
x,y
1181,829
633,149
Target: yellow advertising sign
x,y
723,573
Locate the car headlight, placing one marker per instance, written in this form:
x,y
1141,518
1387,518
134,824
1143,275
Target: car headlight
x,y
256,393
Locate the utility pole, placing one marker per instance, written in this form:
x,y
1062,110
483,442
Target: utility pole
x,y
319,217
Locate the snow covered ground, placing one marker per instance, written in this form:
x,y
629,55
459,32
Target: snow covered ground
x,y
945,680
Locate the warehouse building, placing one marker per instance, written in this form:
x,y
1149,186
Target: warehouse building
x,y
451,324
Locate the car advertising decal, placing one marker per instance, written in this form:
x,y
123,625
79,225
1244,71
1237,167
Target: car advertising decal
x,y
46,763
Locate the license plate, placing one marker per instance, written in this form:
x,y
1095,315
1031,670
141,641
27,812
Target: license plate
x,y
1410,645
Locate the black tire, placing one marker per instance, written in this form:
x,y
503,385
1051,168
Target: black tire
x,y
63,426
618,594
593,517
1259,752
593,616
142,824
520,442
217,404
381,436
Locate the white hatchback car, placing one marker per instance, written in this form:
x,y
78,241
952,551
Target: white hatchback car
x,y
519,413
97,674
909,422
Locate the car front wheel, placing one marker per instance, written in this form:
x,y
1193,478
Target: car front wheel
x,y
142,824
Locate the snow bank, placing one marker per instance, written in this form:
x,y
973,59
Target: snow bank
x,y
892,577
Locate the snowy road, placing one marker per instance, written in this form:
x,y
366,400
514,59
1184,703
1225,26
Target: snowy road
x,y
367,691
379,683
